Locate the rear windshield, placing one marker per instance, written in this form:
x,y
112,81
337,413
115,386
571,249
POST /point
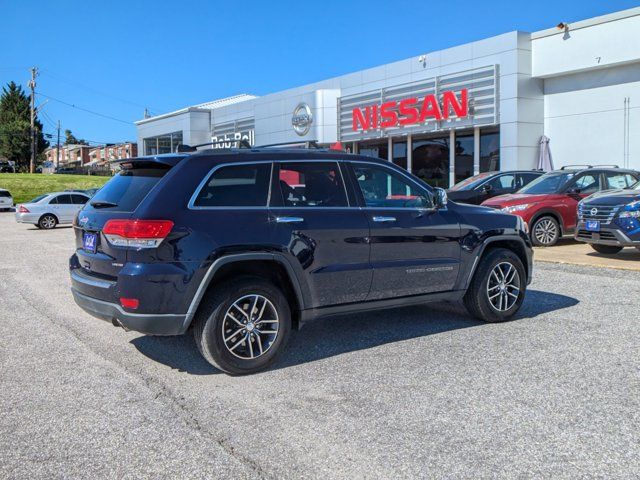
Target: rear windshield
x,y
4,193
125,191
38,198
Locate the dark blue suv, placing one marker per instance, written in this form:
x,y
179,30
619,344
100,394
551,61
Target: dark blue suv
x,y
242,245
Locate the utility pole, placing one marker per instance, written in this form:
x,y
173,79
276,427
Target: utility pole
x,y
32,86
58,149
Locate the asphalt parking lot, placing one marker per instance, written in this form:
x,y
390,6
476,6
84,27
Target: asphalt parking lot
x,y
421,392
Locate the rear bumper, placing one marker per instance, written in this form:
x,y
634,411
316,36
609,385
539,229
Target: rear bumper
x,y
606,236
27,218
150,324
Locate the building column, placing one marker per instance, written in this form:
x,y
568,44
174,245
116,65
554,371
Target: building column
x,y
452,157
390,149
409,153
476,150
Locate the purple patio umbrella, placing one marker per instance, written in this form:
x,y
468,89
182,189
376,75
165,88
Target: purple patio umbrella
x,y
545,160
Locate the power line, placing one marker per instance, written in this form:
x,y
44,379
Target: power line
x,y
108,95
85,109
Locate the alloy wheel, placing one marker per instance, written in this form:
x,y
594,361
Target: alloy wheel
x,y
545,231
48,222
503,287
250,326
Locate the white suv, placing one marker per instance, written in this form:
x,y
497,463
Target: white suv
x,y
47,211
6,201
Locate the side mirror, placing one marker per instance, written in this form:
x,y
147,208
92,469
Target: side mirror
x,y
487,188
439,198
573,191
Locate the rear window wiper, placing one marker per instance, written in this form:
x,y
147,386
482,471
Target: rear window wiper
x,y
102,204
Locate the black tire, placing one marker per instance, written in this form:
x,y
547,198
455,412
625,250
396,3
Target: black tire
x,y
477,300
209,324
606,249
545,231
47,221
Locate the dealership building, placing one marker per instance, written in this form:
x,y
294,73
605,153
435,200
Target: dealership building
x,y
449,114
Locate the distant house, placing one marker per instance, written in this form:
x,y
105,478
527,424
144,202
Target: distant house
x,y
70,155
117,151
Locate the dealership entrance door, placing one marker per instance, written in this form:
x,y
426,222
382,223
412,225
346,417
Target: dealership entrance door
x,y
441,160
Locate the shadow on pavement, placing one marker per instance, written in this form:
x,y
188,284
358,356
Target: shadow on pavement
x,y
346,333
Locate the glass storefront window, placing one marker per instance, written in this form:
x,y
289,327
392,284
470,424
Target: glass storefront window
x,y
464,157
378,149
162,144
430,161
400,153
489,152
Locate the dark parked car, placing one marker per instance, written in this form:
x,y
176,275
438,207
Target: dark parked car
x,y
610,220
484,186
243,245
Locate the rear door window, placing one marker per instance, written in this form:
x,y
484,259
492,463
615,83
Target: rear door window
x,y
311,184
64,200
79,199
619,180
125,191
245,185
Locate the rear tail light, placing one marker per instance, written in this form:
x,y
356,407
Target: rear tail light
x,y
131,303
137,233
23,209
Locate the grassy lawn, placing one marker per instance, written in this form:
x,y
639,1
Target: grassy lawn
x,y
25,186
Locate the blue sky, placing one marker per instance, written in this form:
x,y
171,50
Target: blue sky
x,y
117,57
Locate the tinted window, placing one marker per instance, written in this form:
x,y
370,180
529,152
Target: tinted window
x,y
4,193
125,191
588,183
79,199
503,182
527,178
382,187
311,184
236,186
64,200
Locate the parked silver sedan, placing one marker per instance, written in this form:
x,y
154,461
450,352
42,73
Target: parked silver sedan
x,y
47,211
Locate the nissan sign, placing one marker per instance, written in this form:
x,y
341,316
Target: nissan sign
x,y
302,119
411,111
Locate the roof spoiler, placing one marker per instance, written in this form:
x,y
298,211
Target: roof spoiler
x,y
169,160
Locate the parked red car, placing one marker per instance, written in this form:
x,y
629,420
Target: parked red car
x,y
549,204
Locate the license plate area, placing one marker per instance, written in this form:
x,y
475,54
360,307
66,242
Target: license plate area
x,y
592,226
90,242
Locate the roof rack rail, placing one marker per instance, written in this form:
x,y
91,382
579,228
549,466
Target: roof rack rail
x,y
306,144
612,165
565,167
192,148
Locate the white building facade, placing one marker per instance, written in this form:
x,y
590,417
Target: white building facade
x,y
453,113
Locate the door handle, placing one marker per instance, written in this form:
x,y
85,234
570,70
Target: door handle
x,y
289,219
384,219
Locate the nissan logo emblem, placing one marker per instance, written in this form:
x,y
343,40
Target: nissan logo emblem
x,y
594,211
302,119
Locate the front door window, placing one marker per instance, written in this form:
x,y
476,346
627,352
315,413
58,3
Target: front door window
x,y
384,188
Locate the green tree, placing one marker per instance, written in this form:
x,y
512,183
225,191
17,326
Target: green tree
x,y
70,139
15,143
